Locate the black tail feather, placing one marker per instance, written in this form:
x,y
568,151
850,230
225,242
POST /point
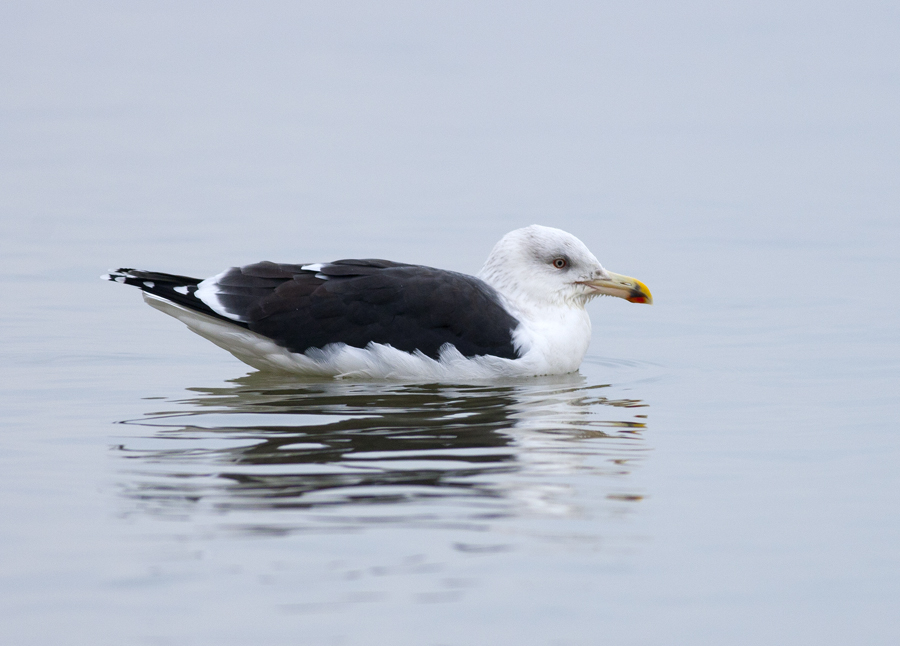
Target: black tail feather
x,y
138,277
171,287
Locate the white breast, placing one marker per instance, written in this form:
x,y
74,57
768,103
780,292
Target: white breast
x,y
554,339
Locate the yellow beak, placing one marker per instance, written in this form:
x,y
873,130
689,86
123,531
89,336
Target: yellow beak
x,y
631,289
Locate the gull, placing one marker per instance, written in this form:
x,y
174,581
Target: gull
x,y
523,315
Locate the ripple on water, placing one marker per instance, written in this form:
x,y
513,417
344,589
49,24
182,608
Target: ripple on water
x,y
265,454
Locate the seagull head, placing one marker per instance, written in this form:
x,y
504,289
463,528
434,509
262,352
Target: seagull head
x,y
547,266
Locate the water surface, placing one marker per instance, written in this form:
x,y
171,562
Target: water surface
x,y
723,468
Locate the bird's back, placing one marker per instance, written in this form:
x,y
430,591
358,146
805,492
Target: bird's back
x,y
354,302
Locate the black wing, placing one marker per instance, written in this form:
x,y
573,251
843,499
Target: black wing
x,y
178,289
356,302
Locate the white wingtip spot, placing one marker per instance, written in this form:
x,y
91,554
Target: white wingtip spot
x,y
149,283
313,267
182,290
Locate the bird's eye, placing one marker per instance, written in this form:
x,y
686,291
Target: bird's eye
x,y
560,263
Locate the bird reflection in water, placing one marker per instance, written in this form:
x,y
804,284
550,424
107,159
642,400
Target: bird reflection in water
x,y
276,455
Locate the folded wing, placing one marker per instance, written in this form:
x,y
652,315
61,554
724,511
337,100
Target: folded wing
x,y
355,302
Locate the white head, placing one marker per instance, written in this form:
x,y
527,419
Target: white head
x,y
544,266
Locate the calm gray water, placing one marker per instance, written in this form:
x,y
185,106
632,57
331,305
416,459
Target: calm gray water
x,y
725,468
